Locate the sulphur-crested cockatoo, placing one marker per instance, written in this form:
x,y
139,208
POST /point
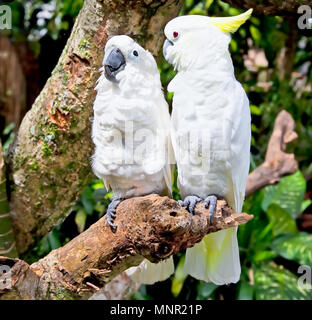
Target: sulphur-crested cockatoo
x,y
210,133
130,131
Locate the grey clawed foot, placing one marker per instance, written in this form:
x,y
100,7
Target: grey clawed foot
x,y
190,203
111,212
211,203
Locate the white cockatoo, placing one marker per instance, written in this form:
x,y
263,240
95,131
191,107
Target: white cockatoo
x,y
210,131
130,132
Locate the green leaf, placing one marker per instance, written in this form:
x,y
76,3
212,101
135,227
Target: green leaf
x,y
87,199
99,184
43,247
281,220
233,45
255,33
189,3
80,220
54,240
205,290
208,4
264,255
288,194
234,12
274,282
297,248
178,278
255,110
246,291
141,294
254,128
199,11
9,128
305,204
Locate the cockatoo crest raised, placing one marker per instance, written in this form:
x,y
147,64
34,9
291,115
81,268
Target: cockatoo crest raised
x,y
211,106
189,36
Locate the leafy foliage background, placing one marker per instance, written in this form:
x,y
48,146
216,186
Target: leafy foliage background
x,y
275,243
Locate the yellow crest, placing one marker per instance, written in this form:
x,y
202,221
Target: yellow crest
x,y
230,24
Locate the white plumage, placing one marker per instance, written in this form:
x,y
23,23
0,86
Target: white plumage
x,y
131,131
210,134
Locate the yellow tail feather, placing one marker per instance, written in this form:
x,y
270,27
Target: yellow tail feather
x,y
215,259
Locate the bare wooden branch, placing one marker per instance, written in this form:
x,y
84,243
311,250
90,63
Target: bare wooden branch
x,y
151,227
277,162
121,287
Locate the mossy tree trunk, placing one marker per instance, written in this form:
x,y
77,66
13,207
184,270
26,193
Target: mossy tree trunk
x,y
50,159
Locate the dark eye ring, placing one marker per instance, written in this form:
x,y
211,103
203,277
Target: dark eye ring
x,y
135,53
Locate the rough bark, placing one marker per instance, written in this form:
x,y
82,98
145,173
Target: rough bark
x,y
270,7
151,227
50,157
277,163
7,242
121,287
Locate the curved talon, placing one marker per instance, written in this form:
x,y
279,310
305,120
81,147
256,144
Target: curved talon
x,y
111,212
211,202
190,202
110,222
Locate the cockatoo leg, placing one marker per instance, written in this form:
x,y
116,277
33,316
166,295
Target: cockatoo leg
x,y
111,212
211,202
190,203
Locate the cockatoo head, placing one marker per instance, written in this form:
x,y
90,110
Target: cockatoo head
x,y
193,36
126,58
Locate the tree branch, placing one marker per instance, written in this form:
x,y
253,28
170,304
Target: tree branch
x,y
50,157
277,163
151,227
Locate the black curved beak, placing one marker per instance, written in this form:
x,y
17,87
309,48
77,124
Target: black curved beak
x,y
114,63
166,45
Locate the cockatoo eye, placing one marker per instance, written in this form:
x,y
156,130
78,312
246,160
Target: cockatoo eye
x,y
175,35
135,53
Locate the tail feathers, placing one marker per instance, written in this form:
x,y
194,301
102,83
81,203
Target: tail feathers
x,y
215,259
149,273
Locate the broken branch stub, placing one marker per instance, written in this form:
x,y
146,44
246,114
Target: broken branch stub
x,y
277,162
